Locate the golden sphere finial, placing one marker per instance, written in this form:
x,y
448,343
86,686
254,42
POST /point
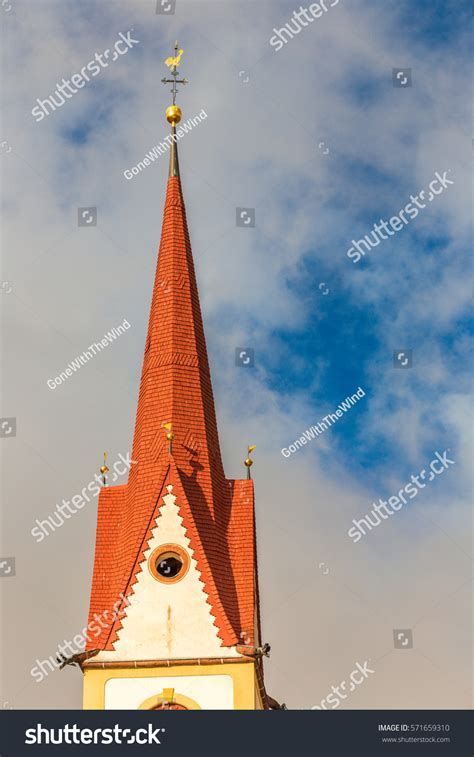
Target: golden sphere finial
x,y
173,114
168,426
104,469
248,462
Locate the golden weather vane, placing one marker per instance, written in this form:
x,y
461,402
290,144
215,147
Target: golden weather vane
x,y
173,64
170,436
104,470
248,462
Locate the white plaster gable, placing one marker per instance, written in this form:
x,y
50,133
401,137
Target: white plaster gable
x,y
167,621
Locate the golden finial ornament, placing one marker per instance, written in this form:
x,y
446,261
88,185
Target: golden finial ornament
x,y
174,114
170,436
104,470
248,462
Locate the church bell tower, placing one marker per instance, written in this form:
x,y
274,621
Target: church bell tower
x,y
174,617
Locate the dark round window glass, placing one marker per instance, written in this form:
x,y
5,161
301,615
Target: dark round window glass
x,y
169,567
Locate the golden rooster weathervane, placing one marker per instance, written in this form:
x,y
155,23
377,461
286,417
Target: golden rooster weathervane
x,y
173,113
172,62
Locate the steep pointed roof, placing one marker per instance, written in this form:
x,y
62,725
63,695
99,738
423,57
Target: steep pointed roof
x,y
176,383
218,514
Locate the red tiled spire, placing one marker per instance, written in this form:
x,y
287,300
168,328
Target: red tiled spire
x,y
176,383
218,514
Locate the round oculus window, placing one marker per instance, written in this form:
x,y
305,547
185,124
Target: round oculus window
x,y
169,566
168,563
